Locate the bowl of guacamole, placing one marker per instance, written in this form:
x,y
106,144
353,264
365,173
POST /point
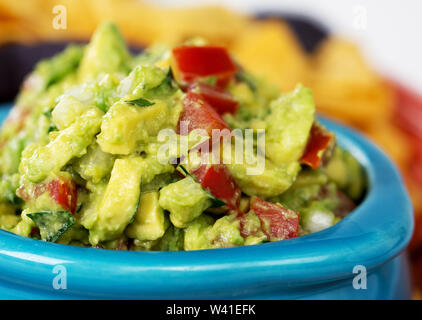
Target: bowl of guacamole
x,y
179,148
83,160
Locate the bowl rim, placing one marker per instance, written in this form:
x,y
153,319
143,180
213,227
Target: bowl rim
x,y
362,238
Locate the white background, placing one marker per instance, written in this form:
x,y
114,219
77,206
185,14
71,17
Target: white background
x,y
391,38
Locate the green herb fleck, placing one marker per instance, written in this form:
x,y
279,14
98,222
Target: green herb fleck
x,y
100,101
52,127
79,208
141,102
48,113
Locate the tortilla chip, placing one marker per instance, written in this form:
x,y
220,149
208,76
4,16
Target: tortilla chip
x,y
346,87
393,141
270,49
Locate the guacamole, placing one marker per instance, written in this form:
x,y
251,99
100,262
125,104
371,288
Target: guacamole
x,y
112,150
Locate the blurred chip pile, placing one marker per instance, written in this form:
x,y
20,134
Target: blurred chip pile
x,y
344,85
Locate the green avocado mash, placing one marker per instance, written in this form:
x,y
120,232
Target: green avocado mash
x,y
82,160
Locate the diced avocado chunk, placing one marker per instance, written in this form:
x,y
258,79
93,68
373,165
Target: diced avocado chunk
x,y
37,162
204,233
226,232
8,217
52,224
95,164
25,225
89,212
251,225
289,124
67,111
104,91
196,233
151,167
173,240
140,80
177,146
11,154
185,200
125,126
272,179
252,229
150,221
252,240
347,173
297,198
106,53
144,245
306,188
8,186
158,182
44,202
308,177
120,201
100,92
336,168
56,68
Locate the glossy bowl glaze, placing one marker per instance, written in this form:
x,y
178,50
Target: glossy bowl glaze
x,y
316,266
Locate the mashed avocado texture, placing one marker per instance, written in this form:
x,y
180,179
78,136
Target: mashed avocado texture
x,y
82,152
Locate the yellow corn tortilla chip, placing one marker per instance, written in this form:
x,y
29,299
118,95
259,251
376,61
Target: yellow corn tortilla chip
x,y
270,49
346,87
393,141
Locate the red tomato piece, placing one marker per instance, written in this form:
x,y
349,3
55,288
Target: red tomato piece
x,y
192,62
199,115
318,143
277,222
64,193
220,183
221,100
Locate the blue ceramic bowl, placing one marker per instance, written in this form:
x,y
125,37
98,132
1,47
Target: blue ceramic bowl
x,y
316,266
